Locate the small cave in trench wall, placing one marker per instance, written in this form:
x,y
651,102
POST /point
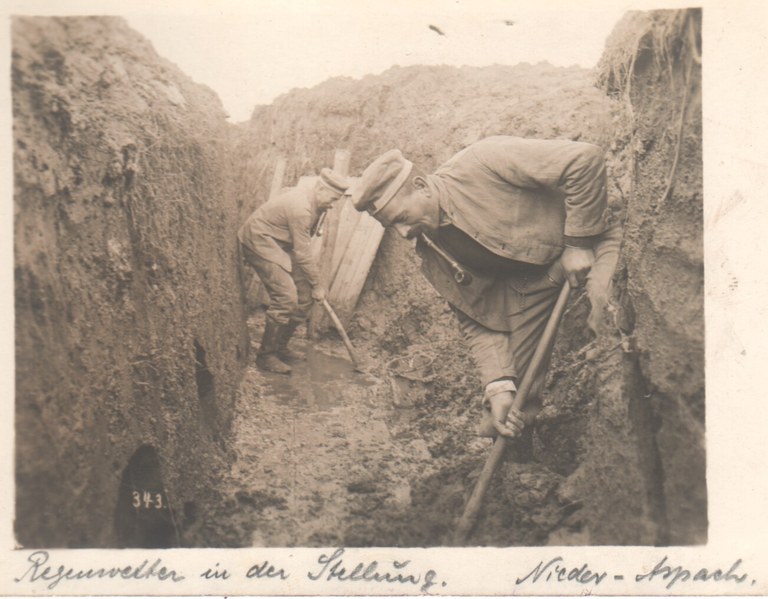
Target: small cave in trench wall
x,y
143,516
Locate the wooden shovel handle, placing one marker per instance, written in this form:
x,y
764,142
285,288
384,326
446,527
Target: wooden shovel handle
x,y
342,332
467,521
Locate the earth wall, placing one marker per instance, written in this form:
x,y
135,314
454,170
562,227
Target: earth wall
x,y
130,327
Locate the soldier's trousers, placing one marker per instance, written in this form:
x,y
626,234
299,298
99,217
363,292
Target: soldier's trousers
x,y
507,354
290,294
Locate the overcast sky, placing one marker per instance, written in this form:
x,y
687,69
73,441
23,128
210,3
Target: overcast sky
x,y
251,52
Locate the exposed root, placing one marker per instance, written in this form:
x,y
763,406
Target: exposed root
x,y
675,160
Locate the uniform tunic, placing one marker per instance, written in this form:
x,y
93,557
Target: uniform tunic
x,y
508,207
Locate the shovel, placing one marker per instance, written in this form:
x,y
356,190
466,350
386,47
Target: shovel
x,y
469,517
344,336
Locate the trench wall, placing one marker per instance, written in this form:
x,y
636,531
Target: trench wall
x,y
130,333
653,65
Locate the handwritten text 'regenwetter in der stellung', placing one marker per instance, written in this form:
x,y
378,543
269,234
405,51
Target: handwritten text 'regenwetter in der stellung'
x,y
330,568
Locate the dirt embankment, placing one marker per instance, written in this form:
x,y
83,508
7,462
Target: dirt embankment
x,y
652,65
130,335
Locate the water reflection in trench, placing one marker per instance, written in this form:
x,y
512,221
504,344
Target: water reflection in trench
x,y
319,383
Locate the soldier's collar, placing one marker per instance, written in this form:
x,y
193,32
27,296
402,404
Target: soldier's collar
x,y
445,219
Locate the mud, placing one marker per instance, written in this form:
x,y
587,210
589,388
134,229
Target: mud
x,y
329,456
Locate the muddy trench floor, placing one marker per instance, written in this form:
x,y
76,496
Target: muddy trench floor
x,y
329,456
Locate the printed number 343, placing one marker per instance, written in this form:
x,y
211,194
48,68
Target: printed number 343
x,y
145,499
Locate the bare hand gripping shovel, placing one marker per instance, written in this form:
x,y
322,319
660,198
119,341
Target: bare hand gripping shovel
x,y
343,333
469,517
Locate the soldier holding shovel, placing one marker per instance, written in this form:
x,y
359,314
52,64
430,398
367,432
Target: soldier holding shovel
x,y
516,217
275,243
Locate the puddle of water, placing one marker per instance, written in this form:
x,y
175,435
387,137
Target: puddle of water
x,y
318,382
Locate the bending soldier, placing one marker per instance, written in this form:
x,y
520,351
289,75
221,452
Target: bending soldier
x,y
275,243
519,216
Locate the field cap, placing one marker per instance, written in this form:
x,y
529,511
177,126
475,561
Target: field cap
x,y
381,181
334,181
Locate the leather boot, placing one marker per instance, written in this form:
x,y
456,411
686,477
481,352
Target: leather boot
x,y
283,351
267,358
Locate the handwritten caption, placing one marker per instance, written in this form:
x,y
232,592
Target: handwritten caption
x,y
329,567
664,572
405,575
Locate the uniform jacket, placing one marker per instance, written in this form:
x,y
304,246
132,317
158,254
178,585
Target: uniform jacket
x,y
523,200
280,229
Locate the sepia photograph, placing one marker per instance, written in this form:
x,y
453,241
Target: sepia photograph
x,y
390,286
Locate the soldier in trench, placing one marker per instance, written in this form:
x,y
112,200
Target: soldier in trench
x,y
275,242
518,215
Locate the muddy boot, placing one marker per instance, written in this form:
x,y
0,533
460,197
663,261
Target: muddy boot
x,y
267,357
283,351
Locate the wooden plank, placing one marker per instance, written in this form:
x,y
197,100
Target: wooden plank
x,y
341,159
328,236
348,220
355,265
